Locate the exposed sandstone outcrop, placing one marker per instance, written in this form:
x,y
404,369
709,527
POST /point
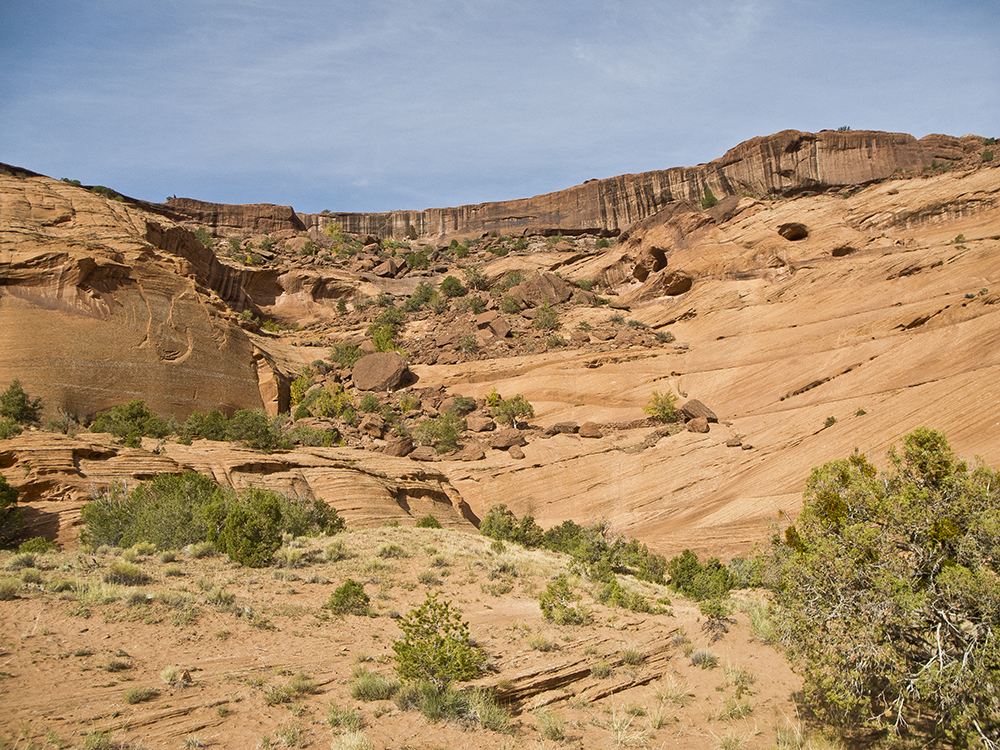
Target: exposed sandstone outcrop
x,y
228,220
56,475
786,163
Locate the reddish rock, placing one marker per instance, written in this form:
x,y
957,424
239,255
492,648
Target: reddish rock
x,y
499,328
540,289
564,428
390,267
734,442
694,408
506,439
784,163
424,453
698,424
382,371
472,451
372,425
516,452
479,423
399,446
590,430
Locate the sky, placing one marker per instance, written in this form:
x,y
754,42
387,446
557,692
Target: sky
x,y
410,104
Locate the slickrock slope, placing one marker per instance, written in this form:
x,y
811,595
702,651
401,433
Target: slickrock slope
x,y
880,319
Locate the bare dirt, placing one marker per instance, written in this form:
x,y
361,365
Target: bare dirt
x,y
69,657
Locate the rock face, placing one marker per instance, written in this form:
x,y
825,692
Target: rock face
x,y
235,220
382,371
56,475
786,163
118,306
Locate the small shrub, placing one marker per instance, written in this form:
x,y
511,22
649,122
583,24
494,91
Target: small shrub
x,y
632,657
704,658
130,422
830,422
509,305
987,155
509,411
344,719
428,522
369,403
11,520
558,603
18,406
9,588
662,407
601,669
664,337
551,725
436,645
443,431
349,598
253,428
452,287
541,642
369,686
125,574
139,693
475,279
546,318
428,578
203,236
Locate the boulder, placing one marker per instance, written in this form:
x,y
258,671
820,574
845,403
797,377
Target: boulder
x,y
381,371
516,452
663,283
400,446
479,423
499,328
694,408
424,453
698,424
542,288
564,428
390,267
372,425
472,451
734,442
506,439
590,430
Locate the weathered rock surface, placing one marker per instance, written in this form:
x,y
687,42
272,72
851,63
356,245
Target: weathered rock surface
x,y
56,475
694,409
228,220
786,163
381,371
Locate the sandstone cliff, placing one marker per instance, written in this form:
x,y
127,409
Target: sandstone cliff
x,y
786,163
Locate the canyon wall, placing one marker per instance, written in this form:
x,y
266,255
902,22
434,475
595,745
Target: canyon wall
x,y
787,163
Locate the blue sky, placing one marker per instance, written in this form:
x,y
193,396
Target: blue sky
x,y
407,104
